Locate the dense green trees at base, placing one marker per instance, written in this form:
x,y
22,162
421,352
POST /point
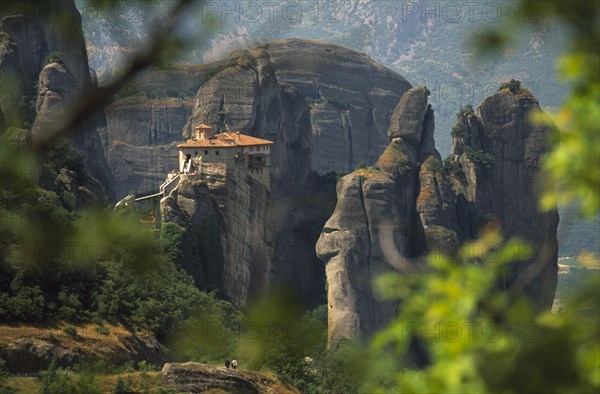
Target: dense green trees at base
x,y
61,263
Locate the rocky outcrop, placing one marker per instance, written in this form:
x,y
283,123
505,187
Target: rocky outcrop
x,y
374,227
308,98
85,191
57,95
351,98
391,213
436,205
144,123
500,152
201,378
409,116
193,223
141,133
30,36
413,121
225,222
326,108
28,349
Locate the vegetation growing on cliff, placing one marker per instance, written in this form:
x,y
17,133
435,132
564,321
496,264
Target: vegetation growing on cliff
x,y
514,87
434,165
394,159
242,58
483,159
458,132
55,57
338,102
453,167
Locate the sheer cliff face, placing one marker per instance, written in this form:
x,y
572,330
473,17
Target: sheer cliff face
x,y
509,189
29,33
351,100
142,128
408,203
325,107
224,220
263,91
375,225
141,135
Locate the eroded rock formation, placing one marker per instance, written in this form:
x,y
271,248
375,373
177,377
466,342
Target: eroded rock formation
x,y
144,125
31,36
223,223
203,378
29,349
409,203
500,152
325,107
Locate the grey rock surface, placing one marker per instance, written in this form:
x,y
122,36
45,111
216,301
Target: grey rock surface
x,y
192,210
372,230
509,189
28,35
409,116
352,100
203,378
390,214
227,243
57,96
326,108
31,349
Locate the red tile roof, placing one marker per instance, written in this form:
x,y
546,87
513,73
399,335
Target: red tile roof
x,y
225,140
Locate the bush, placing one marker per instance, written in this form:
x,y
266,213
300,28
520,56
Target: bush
x,y
130,89
123,386
71,331
25,304
86,384
513,85
455,168
64,155
216,71
338,102
55,57
479,157
56,381
362,165
171,242
458,132
102,330
244,59
144,366
434,166
4,388
467,110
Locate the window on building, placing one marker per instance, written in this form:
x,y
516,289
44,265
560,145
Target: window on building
x,y
206,152
216,153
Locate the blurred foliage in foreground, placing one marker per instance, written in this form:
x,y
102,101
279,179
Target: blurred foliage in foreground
x,y
458,331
